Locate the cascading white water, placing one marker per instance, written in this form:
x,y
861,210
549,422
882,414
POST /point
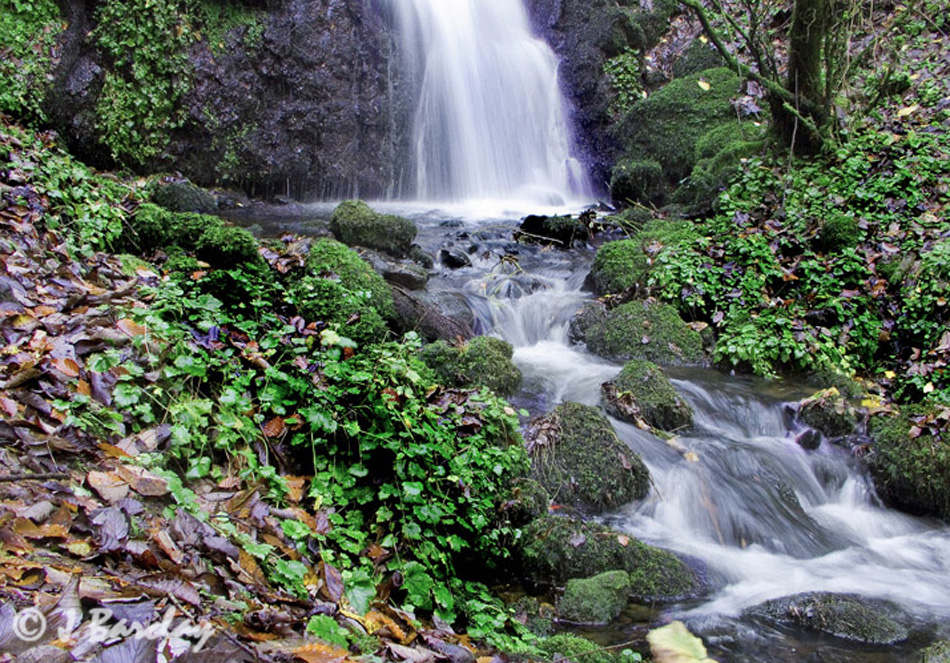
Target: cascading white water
x,y
491,121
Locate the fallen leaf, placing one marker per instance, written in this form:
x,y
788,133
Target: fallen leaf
x,y
275,427
674,643
316,652
109,485
131,327
142,481
907,110
704,85
66,366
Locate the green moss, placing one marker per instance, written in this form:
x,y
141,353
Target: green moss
x,y
226,246
939,652
595,600
910,466
554,549
525,500
644,330
570,647
838,232
28,32
642,391
638,180
698,56
354,223
626,263
331,259
828,412
183,197
575,456
332,302
484,361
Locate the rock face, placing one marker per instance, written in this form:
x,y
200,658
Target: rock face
x,y
302,107
576,455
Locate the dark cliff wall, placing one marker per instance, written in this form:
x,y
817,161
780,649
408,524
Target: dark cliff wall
x,y
306,106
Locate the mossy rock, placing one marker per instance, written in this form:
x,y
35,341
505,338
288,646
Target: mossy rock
x,y
839,232
827,411
846,616
569,647
208,237
578,457
626,263
558,231
354,223
331,259
526,500
537,616
939,652
719,155
667,125
484,361
642,391
698,56
643,330
554,549
911,467
184,197
595,600
638,180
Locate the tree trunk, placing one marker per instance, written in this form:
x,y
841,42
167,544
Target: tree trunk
x,y
809,28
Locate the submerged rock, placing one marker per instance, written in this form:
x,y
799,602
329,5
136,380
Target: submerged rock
x,y
595,600
555,549
642,392
578,457
638,330
845,616
827,411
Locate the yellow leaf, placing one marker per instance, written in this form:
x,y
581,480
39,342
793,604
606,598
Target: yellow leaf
x,y
907,110
704,85
691,457
929,387
674,643
890,375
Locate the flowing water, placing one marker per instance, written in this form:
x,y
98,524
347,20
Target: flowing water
x,y
761,516
490,119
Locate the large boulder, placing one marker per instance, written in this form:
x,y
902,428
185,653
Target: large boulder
x,y
910,464
578,457
555,549
845,616
595,600
638,330
484,361
355,223
641,392
420,312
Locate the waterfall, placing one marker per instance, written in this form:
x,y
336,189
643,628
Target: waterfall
x,y
490,119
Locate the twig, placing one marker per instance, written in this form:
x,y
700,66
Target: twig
x,y
43,476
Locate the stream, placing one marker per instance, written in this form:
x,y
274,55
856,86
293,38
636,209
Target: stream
x,y
761,517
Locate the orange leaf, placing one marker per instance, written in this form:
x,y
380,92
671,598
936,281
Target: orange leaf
x,y
67,367
131,327
295,488
110,487
275,427
316,652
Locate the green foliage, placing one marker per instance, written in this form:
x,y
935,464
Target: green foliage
x,y
567,646
28,32
329,259
623,73
624,264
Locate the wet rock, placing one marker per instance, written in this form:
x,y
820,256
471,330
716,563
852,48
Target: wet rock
x,y
827,411
578,457
416,312
454,258
809,439
845,616
642,392
402,273
484,361
939,652
595,600
559,231
183,196
555,549
355,223
641,329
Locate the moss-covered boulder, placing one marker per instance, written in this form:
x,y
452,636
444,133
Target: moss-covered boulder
x,y
845,616
555,549
626,263
909,463
559,231
827,411
638,330
355,223
209,238
334,260
939,652
838,232
484,361
642,392
183,196
638,180
578,457
526,500
595,600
